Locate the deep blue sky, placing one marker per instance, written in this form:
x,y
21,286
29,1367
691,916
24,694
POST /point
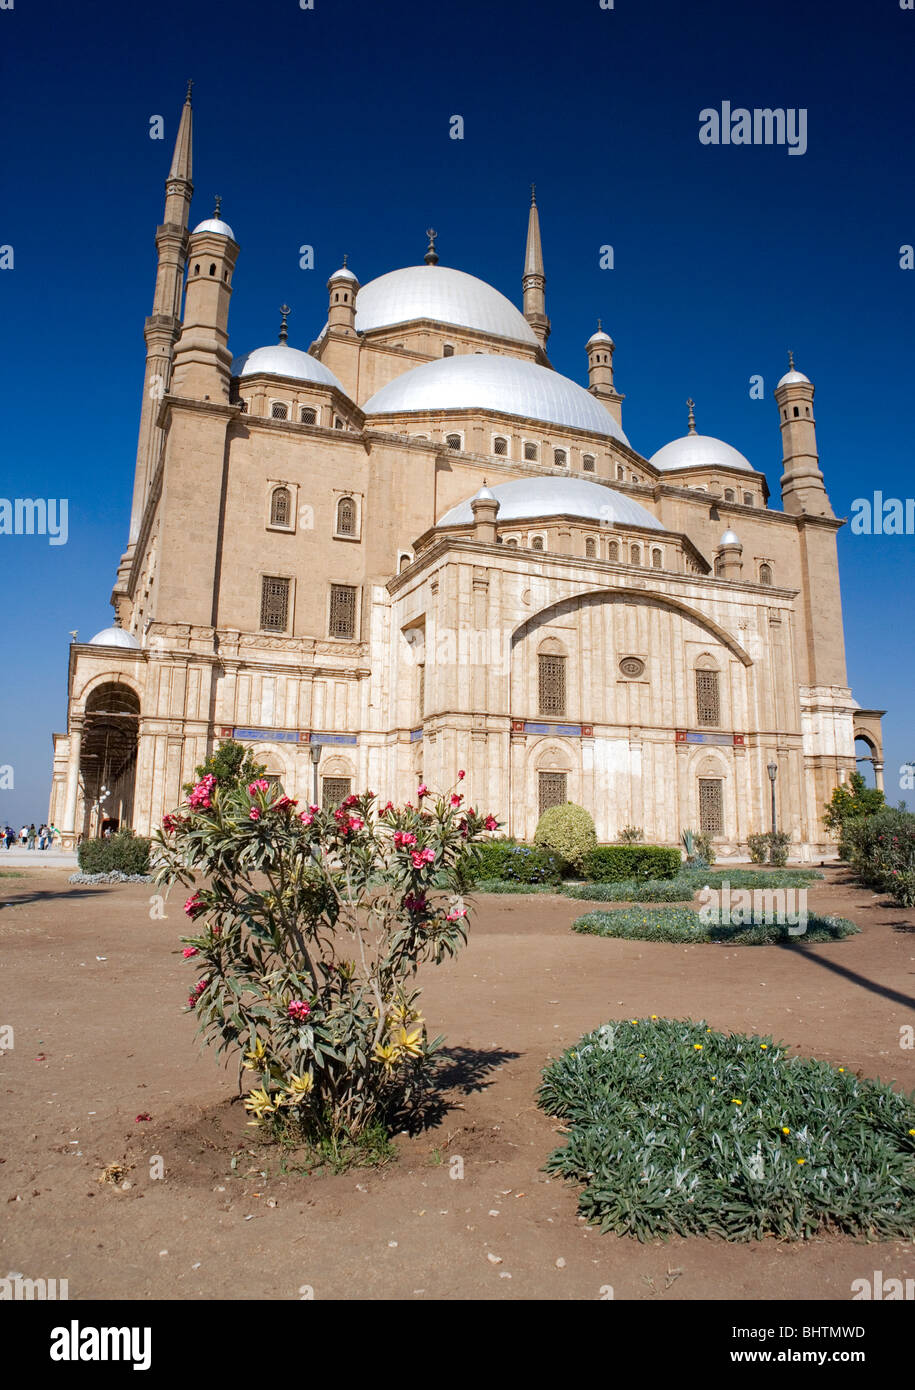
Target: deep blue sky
x,y
330,127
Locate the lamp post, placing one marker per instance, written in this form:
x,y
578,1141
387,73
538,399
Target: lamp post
x,y
772,770
315,749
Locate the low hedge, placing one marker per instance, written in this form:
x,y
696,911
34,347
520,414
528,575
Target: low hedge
x,y
684,925
508,861
613,863
677,1129
124,851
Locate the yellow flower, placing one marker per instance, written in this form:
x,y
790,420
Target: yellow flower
x,y
386,1054
259,1104
255,1056
298,1087
633,1020
841,1068
642,1056
764,1046
802,1160
409,1043
697,1047
654,1015
912,1131
714,1078
737,1102
785,1129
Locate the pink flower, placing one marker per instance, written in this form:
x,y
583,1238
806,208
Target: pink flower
x,y
190,951
195,994
193,907
415,902
261,785
491,823
421,857
283,804
254,814
299,1010
388,806
356,823
461,775
306,817
455,799
350,800
199,798
169,823
404,837
422,790
456,914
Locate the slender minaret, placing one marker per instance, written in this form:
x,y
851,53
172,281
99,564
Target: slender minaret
x,y
161,328
803,488
534,279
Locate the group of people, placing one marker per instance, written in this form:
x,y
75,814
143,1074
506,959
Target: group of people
x,y
28,836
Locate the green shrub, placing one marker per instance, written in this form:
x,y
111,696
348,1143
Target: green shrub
x,y
684,925
881,850
124,850
511,885
509,861
769,846
677,1129
231,764
568,831
697,848
611,863
704,848
852,801
758,845
634,890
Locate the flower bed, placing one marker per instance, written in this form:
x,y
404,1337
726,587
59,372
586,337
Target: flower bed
x,y
685,925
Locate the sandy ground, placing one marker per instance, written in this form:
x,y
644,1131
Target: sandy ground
x,y
94,990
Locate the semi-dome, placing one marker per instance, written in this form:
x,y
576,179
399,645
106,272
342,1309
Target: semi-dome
x,y
526,499
280,360
699,451
114,637
444,295
214,224
510,385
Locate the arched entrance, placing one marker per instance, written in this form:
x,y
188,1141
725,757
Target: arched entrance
x,y
108,758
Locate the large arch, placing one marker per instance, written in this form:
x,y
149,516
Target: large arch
x,y
108,755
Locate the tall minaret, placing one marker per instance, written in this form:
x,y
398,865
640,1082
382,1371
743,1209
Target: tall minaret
x,y
803,489
161,329
534,279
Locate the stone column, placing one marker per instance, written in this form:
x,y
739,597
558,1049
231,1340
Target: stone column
x,y
878,775
68,828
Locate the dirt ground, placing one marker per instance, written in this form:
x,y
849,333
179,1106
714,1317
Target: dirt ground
x,y
94,990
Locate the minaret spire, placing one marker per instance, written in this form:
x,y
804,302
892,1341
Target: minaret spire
x,y
691,418
533,280
181,159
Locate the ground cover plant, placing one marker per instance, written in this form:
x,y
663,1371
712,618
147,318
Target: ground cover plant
x,y
677,1129
687,883
684,924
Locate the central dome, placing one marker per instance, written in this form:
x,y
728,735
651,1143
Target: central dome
x,y
509,385
444,295
525,499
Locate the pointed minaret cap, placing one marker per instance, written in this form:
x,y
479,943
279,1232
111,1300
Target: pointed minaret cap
x,y
215,223
793,376
599,336
533,253
344,273
181,159
431,256
284,330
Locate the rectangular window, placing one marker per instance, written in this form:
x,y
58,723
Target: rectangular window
x,y
708,704
333,791
342,610
711,808
279,410
552,790
274,604
552,684
530,452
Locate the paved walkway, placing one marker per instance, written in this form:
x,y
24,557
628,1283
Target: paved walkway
x,y
38,859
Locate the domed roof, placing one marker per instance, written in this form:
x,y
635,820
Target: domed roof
x,y
344,273
699,451
445,295
473,380
114,637
793,377
730,538
599,336
213,224
280,360
525,499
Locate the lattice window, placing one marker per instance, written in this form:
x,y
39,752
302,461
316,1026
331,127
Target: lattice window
x,y
560,458
279,410
342,610
552,790
765,574
346,517
513,542
274,603
537,543
635,554
500,446
587,463
421,688
309,415
719,567
711,806
333,791
614,552
590,547
551,684
657,560
453,441
748,499
729,494
280,507
708,700
530,452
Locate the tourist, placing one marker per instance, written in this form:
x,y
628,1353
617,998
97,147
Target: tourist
x,y
55,837
43,837
32,835
23,836
9,835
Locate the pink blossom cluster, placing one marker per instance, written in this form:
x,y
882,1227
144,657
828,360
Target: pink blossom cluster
x,y
347,824
415,902
170,824
190,951
456,914
402,838
200,798
261,785
299,1010
308,816
422,856
196,992
284,804
193,907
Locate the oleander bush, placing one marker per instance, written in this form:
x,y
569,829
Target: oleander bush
x,y
880,848
677,1129
309,928
612,863
568,831
684,925
124,851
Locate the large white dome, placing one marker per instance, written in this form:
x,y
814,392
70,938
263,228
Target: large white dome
x,y
699,451
445,295
485,382
280,360
525,499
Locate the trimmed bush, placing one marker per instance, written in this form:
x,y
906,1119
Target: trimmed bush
x,y
677,1129
124,851
507,860
684,924
567,831
612,863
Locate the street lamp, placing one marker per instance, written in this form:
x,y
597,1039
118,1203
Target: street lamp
x,y
315,749
772,770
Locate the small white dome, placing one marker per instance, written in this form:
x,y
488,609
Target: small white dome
x,y
213,224
730,538
599,337
280,360
114,637
699,451
344,273
445,295
793,377
484,495
526,499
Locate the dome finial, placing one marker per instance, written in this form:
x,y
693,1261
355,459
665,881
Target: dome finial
x,y
790,360
533,195
691,406
344,260
217,209
431,257
190,84
600,325
284,331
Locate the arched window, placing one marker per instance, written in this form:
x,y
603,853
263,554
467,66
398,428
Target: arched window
x,y
309,415
708,699
748,499
346,517
587,463
730,495
279,410
590,547
560,458
500,445
530,451
635,554
614,552
551,684
213,272
620,473
453,441
197,269
657,559
796,411
280,507
338,423
243,406
765,574
537,543
448,350
404,564
513,542
719,567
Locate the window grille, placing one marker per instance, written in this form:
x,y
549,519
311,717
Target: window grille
x,y
614,551
560,458
537,543
342,610
448,350
274,603
309,415
748,499
552,684
765,574
635,554
346,517
552,790
711,810
587,463
333,791
279,507
512,541
708,701
729,494
453,441
590,547
530,453
279,410
500,446
657,560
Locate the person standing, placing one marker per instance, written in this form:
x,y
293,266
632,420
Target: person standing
x,y
32,835
23,836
